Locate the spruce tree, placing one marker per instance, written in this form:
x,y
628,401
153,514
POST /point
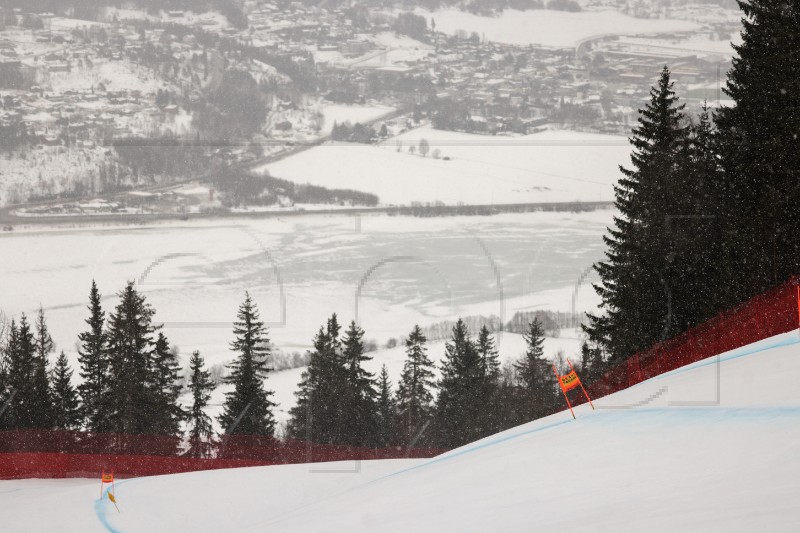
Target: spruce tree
x,y
537,391
5,394
458,406
66,412
301,424
19,369
695,236
586,359
359,401
487,350
414,396
761,152
41,405
318,415
166,388
128,397
511,412
94,361
491,406
385,431
24,409
199,429
637,276
248,408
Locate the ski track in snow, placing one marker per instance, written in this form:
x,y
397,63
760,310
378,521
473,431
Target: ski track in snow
x,y
718,466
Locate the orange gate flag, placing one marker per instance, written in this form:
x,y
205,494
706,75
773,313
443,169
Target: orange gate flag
x,y
569,382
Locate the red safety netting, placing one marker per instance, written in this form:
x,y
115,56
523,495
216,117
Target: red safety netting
x,y
62,454
766,315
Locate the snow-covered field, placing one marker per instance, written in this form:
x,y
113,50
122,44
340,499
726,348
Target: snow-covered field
x,y
113,75
558,29
388,272
551,166
708,447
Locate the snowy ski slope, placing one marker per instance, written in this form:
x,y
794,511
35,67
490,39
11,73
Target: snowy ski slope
x,y
714,446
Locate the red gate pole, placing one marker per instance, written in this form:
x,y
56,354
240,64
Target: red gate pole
x,y
581,384
558,378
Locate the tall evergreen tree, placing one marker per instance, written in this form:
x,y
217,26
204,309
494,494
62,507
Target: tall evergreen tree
x,y
18,370
491,406
24,409
248,408
44,341
385,431
694,236
487,350
537,392
41,401
359,402
128,397
761,152
636,276
5,393
66,412
414,396
200,430
318,415
166,388
460,398
592,365
586,359
94,361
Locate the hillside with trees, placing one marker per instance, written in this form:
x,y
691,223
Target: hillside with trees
x,y
708,212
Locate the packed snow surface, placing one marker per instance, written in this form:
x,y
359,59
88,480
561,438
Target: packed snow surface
x,y
709,447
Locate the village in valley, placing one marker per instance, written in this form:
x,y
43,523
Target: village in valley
x,y
122,110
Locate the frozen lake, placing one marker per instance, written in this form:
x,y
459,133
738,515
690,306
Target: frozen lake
x,y
388,272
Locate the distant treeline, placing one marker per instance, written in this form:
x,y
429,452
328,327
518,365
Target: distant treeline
x,y
552,322
132,379
239,187
439,209
357,133
161,156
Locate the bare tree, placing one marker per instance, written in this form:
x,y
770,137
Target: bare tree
x,y
424,147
